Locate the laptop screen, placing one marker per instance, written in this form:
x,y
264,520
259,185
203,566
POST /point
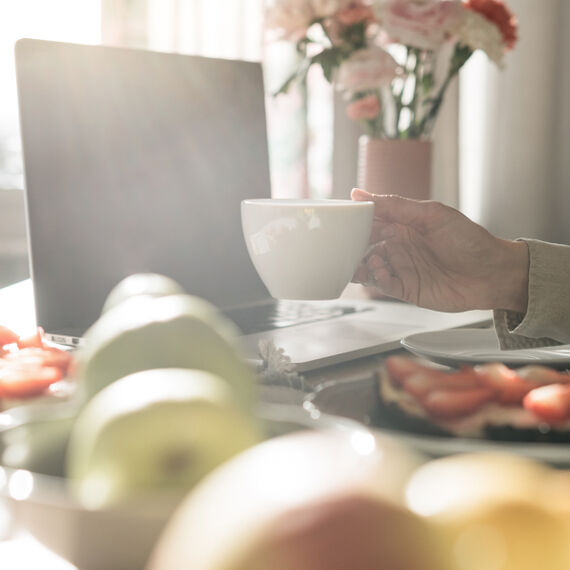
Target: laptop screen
x,y
137,161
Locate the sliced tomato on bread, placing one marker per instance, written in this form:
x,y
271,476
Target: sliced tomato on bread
x,y
27,381
549,403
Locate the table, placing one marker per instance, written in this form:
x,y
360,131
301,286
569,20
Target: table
x,y
21,551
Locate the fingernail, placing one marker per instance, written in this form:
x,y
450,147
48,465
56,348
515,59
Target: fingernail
x,y
359,193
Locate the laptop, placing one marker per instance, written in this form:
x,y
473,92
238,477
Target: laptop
x,y
137,161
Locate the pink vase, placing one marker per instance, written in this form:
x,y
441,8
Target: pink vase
x,y
400,167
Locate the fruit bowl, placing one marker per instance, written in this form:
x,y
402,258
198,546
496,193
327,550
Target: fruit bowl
x,y
117,538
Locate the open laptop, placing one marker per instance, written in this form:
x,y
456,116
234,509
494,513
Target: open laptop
x,y
137,161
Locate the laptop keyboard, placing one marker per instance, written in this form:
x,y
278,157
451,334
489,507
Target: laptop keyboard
x,y
259,318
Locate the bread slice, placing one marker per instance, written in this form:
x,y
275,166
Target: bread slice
x,y
489,401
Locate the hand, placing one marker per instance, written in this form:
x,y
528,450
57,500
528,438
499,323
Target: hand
x,y
432,255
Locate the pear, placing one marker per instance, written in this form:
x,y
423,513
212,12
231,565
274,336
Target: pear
x,y
172,331
153,284
154,430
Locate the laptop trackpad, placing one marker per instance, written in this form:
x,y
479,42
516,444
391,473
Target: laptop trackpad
x,y
322,344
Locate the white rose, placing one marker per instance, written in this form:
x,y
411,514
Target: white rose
x,y
290,19
479,33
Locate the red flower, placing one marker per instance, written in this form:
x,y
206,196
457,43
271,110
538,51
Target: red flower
x,y
497,12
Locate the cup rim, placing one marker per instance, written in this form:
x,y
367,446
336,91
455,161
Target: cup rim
x,y
295,202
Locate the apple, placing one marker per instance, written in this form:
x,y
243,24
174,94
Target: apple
x,y
172,331
492,512
154,430
309,500
153,284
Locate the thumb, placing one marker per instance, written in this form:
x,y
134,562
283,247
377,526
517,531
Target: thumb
x,y
395,209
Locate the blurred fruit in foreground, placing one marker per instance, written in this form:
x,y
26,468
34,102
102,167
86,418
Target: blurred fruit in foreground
x,y
155,430
152,284
172,331
312,500
491,510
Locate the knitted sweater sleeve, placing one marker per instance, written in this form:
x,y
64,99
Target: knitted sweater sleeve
x,y
547,318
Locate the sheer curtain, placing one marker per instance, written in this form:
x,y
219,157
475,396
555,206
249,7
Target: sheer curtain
x,y
227,29
501,141
313,145
515,130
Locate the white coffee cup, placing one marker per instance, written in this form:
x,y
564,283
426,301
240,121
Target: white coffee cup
x,y
306,249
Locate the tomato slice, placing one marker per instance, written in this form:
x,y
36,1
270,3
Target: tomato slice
x,y
401,367
510,387
7,336
422,383
550,403
26,381
45,356
446,403
31,368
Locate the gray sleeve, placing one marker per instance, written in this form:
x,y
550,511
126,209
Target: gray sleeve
x,y
547,318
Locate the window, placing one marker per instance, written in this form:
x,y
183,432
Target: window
x,y
65,20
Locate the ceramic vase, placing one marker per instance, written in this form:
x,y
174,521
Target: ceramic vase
x,y
397,166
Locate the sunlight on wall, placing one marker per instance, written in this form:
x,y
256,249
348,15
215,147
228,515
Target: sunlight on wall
x,y
472,104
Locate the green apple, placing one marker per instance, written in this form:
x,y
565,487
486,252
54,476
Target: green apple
x,y
160,429
310,500
153,284
173,331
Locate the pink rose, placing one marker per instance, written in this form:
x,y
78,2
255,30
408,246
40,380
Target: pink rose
x,y
290,19
365,108
368,68
356,12
423,24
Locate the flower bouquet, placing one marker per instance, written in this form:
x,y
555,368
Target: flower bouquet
x,y
387,56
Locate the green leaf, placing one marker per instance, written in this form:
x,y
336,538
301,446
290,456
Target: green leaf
x,y
328,59
461,54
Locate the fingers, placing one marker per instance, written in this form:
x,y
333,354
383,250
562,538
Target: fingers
x,y
381,275
377,271
382,231
396,209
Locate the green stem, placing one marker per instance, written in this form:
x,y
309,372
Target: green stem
x,y
460,55
417,73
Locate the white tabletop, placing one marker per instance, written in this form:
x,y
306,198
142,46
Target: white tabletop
x,y
21,551
17,310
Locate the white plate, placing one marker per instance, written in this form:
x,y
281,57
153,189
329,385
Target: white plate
x,y
358,400
477,346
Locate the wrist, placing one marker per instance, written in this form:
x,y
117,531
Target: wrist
x,y
512,277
